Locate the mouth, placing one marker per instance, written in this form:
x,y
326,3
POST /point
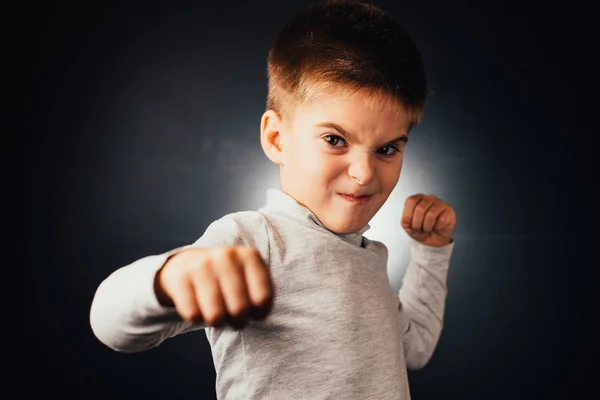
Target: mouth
x,y
355,199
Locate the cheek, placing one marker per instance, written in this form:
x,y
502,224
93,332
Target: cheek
x,y
296,152
389,176
329,166
311,156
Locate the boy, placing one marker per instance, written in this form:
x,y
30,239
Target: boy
x,y
295,301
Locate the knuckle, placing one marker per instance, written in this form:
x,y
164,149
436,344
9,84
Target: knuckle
x,y
253,252
262,289
242,251
228,253
262,298
230,276
213,316
223,259
422,207
239,309
248,252
188,313
201,264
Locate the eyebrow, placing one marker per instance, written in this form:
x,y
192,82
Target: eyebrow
x,y
337,127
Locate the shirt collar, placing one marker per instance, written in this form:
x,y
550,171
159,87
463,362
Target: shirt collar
x,y
281,203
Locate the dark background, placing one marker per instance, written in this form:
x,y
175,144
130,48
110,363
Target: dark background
x,y
142,127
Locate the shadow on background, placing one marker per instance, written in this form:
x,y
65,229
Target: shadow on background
x,y
145,117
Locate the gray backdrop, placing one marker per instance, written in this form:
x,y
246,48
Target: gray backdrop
x,y
143,123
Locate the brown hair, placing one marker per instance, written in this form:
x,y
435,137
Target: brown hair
x,y
340,46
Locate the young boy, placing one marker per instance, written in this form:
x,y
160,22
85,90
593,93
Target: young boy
x,y
295,301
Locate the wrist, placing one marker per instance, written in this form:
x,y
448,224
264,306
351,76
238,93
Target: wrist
x,y
161,295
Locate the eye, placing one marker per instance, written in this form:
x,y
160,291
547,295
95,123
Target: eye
x,y
388,150
334,140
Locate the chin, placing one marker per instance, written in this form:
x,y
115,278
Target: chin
x,y
345,229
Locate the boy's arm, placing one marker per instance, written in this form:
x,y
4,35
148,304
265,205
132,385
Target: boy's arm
x,y
422,301
125,313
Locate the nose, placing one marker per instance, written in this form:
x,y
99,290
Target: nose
x,y
362,169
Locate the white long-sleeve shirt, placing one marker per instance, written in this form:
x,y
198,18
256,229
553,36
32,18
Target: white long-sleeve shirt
x,y
337,329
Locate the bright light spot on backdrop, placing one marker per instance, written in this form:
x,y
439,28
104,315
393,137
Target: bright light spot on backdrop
x,y
416,177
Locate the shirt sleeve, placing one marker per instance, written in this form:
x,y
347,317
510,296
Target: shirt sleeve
x,y
422,301
125,313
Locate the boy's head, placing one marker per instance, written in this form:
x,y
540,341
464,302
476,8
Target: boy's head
x,y
346,84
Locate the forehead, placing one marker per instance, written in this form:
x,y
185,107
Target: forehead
x,y
358,110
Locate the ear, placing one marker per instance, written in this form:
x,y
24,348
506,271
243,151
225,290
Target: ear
x,y
271,126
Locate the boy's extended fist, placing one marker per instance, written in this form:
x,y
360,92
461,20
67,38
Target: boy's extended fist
x,y
217,286
429,220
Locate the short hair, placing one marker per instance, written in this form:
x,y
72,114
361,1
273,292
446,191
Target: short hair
x,y
339,46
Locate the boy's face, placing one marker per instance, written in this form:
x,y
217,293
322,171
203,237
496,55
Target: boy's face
x,y
341,158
